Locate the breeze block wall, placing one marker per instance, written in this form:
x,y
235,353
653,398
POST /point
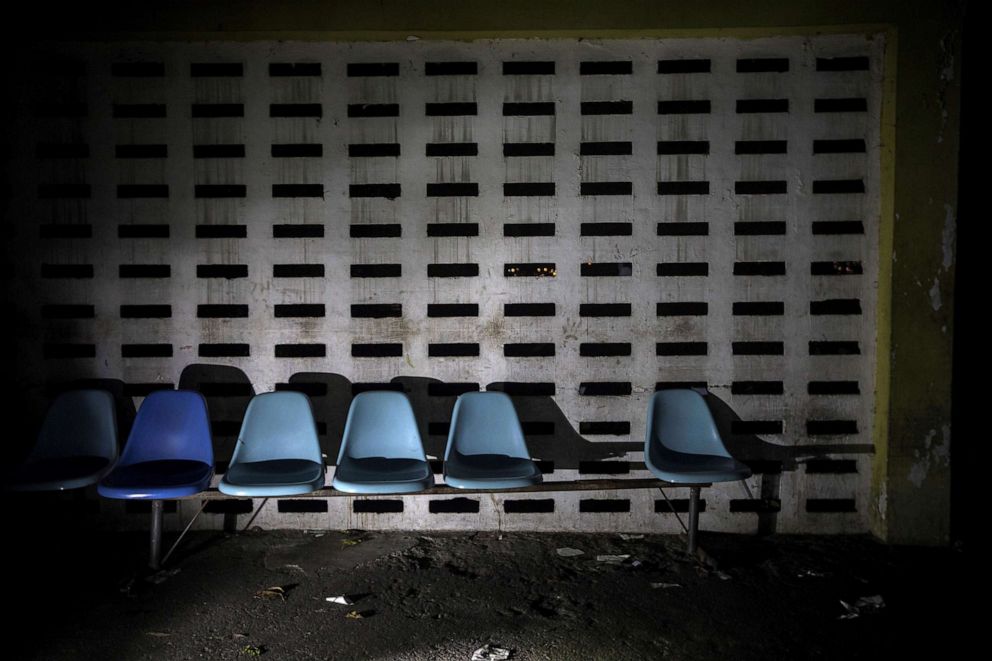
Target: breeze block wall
x,y
576,222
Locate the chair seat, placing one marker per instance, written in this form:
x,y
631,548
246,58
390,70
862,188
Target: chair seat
x,y
382,475
164,478
680,467
273,477
55,473
490,471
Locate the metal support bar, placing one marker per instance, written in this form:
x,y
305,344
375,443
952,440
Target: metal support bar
x,y
693,519
257,512
183,533
155,548
672,509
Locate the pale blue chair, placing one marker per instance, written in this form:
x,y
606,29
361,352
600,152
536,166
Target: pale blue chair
x,y
683,446
381,451
77,444
168,455
278,452
486,446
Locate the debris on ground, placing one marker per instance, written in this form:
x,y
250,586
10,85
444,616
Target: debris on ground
x,y
567,552
665,586
354,615
158,634
161,576
491,652
343,600
275,592
628,537
810,573
863,606
613,559
252,650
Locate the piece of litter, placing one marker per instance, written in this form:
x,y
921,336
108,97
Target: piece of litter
x,y
491,653
343,600
567,552
251,650
354,615
723,576
274,592
158,634
295,567
633,563
809,573
863,606
627,536
614,559
162,576
664,586
351,542
412,38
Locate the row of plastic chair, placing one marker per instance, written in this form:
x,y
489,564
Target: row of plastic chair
x,y
169,452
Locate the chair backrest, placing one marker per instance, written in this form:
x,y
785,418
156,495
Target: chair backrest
x,y
680,420
79,423
486,423
278,425
381,424
171,424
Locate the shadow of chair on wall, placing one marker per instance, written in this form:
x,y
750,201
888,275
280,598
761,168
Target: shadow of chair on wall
x,y
550,436
769,460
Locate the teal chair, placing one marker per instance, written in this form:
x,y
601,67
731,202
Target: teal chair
x,y
486,446
381,451
278,453
683,446
77,444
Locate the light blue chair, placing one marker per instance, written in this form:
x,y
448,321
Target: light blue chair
x,y
381,451
278,453
486,446
76,446
168,455
683,446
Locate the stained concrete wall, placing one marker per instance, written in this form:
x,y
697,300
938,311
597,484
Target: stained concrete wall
x,y
908,498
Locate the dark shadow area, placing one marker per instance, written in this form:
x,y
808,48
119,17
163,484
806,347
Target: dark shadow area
x,y
227,391
444,595
770,460
964,402
330,396
551,437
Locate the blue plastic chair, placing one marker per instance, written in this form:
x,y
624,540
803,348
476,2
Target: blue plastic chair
x,y
682,444
278,452
486,446
381,451
76,446
169,453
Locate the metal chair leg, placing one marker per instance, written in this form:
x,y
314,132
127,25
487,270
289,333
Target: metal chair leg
x,y
155,548
693,519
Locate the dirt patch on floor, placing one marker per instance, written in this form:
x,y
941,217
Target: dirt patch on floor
x,y
414,596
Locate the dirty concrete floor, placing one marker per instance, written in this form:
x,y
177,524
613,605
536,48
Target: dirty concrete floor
x,y
425,596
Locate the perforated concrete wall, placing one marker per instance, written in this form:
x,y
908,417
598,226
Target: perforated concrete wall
x,y
578,223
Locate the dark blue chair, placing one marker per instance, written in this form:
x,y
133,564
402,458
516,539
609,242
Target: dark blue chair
x,y
682,445
278,452
486,446
76,446
169,454
381,451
